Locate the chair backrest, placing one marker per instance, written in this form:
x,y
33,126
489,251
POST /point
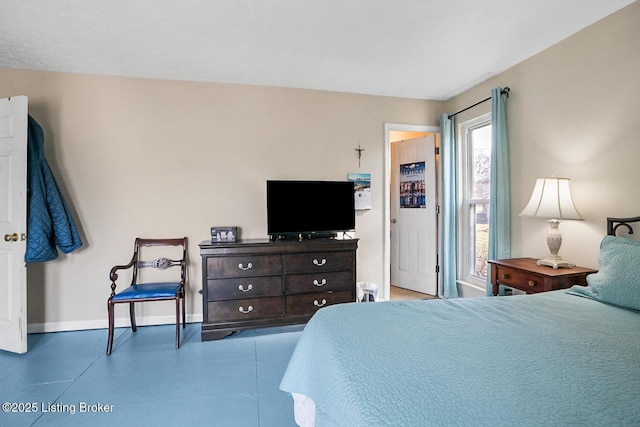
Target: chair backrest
x,y
178,256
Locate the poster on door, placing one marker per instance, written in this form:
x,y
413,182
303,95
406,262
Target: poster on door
x,y
412,186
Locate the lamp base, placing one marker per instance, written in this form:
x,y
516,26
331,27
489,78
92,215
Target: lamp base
x,y
554,241
555,263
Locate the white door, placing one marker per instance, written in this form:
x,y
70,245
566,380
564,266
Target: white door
x,y
13,224
413,215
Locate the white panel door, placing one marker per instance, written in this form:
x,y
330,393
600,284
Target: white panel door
x,y
13,224
413,215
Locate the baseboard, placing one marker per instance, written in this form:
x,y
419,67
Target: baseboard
x,y
83,325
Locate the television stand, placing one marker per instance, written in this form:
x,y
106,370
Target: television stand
x,y
303,236
261,283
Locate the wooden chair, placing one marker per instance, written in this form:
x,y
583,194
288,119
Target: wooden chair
x,y
153,291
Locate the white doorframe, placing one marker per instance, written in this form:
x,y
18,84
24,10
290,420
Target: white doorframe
x,y
386,238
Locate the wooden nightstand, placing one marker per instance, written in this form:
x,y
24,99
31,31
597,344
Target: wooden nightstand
x,y
524,274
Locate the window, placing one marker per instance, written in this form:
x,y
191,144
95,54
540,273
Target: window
x,y
474,193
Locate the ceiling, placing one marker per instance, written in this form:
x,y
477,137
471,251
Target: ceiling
x,y
423,49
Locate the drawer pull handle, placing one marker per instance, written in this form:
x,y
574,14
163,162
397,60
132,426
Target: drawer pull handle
x,y
321,283
319,263
241,287
248,310
248,267
532,283
505,276
320,304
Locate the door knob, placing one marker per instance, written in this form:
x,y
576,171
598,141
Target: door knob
x,y
11,237
393,221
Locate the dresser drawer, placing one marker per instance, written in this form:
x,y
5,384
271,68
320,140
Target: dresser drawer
x,y
318,262
242,288
318,282
520,279
244,266
244,309
310,303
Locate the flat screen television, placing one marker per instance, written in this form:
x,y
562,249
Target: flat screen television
x,y
309,209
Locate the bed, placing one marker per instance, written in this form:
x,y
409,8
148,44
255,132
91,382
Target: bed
x,y
568,357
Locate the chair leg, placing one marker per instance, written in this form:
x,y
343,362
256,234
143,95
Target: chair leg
x,y
184,316
111,326
178,322
132,314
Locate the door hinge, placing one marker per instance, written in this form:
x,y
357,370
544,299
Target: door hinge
x,y
437,209
437,269
437,150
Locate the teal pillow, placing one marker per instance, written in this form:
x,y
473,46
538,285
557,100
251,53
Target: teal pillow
x,y
618,278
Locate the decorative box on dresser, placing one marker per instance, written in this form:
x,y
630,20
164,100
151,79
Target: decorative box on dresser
x,y
260,283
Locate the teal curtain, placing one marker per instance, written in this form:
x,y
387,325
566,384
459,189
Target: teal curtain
x,y
448,162
500,205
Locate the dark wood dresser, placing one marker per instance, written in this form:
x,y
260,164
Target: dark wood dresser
x,y
259,283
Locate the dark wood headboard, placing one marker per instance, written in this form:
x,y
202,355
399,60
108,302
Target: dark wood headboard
x,y
614,223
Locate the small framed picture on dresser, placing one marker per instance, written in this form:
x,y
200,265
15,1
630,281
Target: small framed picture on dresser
x,y
224,234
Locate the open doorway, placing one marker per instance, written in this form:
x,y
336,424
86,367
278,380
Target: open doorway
x,y
410,227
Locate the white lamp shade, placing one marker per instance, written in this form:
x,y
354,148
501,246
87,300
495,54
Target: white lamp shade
x,y
551,198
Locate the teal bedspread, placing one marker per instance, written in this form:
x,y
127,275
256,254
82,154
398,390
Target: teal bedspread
x,y
550,359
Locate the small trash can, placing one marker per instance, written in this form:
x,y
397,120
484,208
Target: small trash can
x,y
366,292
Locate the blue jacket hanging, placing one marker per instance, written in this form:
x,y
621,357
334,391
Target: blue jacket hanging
x,y
49,222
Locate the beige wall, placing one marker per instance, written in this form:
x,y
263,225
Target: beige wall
x,y
573,112
138,157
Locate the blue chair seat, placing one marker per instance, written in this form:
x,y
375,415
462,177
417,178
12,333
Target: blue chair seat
x,y
148,290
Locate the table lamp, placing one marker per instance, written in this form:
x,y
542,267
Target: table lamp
x,y
551,198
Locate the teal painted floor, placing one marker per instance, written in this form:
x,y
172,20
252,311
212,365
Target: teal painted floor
x,y
65,379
